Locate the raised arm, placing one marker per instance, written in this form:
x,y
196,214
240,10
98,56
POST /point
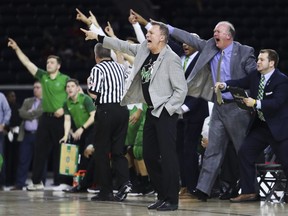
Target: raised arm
x,y
81,17
32,68
137,28
89,35
138,18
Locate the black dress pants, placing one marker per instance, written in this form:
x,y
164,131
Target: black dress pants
x,y
188,140
50,131
254,144
160,156
111,123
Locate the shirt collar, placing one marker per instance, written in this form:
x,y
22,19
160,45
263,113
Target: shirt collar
x,y
228,49
77,99
268,75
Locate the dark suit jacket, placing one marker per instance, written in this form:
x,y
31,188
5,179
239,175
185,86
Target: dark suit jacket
x,y
26,115
198,106
275,101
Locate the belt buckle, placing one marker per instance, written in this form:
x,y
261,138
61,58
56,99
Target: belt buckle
x,y
49,114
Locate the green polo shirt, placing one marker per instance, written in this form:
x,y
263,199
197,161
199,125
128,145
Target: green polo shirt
x,y
53,90
79,110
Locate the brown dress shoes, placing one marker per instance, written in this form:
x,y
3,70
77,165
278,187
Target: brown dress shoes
x,y
245,198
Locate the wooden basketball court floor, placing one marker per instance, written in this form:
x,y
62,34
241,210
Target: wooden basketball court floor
x,y
63,204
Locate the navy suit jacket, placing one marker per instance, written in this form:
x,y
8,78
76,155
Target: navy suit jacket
x,y
275,101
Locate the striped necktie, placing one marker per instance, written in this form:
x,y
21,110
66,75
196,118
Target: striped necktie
x,y
218,76
185,63
260,96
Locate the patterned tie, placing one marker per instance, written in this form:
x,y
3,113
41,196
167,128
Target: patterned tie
x,y
260,96
185,63
218,92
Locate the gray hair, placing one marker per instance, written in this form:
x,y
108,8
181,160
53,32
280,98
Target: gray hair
x,y
101,52
163,28
231,29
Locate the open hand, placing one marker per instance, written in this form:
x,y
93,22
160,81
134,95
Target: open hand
x,y
89,34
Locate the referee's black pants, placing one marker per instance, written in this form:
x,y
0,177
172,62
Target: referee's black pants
x,y
111,123
50,130
160,156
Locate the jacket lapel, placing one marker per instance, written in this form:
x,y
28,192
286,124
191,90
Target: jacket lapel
x,y
191,65
158,62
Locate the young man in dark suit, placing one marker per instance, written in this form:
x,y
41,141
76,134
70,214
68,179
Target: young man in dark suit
x,y
268,126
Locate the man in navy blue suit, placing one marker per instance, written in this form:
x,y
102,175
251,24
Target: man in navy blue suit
x,y
189,128
268,126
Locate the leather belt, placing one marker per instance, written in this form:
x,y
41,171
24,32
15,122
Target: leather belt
x,y
49,114
30,132
226,101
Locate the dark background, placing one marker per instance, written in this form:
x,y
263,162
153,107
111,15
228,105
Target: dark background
x,y
44,27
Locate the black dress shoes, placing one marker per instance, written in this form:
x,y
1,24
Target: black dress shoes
x,y
103,197
167,206
76,189
123,191
155,205
200,195
228,194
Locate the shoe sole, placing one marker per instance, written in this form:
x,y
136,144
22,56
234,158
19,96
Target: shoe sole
x,y
125,192
34,189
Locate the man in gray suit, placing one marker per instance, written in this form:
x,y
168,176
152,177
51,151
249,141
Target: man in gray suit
x,y
157,79
30,112
221,58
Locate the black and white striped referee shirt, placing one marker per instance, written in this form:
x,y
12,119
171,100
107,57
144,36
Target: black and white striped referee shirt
x,y
107,80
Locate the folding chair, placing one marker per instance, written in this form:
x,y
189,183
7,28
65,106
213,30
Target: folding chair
x,y
272,180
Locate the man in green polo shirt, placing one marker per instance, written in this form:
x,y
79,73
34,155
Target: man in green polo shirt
x,y
50,128
81,109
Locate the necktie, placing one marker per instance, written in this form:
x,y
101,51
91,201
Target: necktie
x,y
185,63
218,92
260,96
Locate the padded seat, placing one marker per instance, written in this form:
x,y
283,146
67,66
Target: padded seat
x,y
26,20
44,20
260,32
272,43
25,9
14,31
8,21
241,12
33,31
62,21
42,10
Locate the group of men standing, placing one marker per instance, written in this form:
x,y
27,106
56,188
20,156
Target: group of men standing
x,y
158,80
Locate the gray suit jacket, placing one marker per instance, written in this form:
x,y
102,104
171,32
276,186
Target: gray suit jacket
x,y
25,115
200,83
168,86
